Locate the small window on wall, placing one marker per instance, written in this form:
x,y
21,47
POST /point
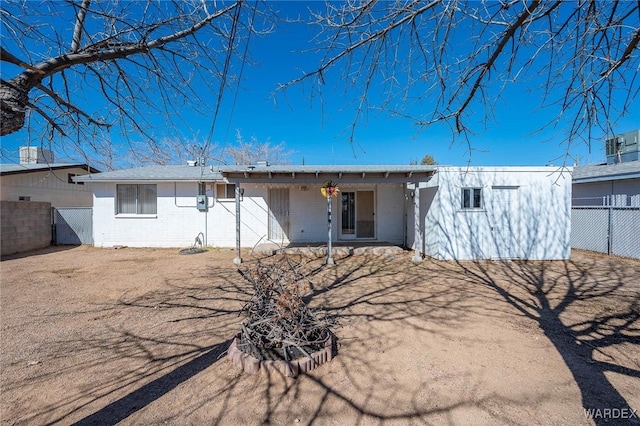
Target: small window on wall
x,y
471,198
225,191
137,199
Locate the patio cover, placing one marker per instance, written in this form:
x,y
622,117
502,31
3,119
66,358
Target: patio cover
x,y
317,174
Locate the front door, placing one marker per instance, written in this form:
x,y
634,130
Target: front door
x,y
279,214
357,215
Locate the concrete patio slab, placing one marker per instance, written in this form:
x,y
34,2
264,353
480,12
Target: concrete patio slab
x,y
341,249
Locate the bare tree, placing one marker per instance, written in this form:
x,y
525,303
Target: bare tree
x,y
73,69
448,61
174,151
251,151
427,160
138,66
178,151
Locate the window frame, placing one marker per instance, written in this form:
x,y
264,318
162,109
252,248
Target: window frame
x,y
138,205
471,198
226,191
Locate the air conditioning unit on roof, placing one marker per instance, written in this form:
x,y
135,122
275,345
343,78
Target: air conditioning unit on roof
x,y
623,147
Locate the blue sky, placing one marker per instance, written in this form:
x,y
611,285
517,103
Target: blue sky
x,y
322,138
319,135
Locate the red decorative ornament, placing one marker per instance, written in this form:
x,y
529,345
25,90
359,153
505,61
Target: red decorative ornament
x,y
329,189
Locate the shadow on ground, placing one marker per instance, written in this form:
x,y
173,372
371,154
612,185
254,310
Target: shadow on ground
x,y
589,311
158,356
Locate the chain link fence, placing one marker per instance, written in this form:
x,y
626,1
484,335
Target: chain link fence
x,y
73,225
614,230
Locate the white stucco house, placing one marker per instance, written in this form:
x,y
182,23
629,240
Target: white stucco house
x,y
469,213
442,212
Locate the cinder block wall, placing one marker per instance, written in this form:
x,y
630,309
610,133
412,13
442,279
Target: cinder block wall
x,y
26,225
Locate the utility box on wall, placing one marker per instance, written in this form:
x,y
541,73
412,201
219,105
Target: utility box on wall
x,y
201,203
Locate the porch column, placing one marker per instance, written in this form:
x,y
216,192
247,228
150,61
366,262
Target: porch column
x,y
329,253
238,259
417,240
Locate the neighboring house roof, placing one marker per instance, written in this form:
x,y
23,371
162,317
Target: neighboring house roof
x,y
155,174
606,172
11,169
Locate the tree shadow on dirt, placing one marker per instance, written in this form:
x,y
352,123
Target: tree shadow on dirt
x,y
145,360
164,347
363,291
587,307
589,310
151,391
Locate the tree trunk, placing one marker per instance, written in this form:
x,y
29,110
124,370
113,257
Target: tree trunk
x,y
14,95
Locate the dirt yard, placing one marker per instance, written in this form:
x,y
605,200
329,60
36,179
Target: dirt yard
x,y
138,336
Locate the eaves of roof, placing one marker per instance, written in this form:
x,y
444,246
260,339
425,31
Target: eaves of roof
x,y
266,173
169,173
320,173
607,178
606,172
12,169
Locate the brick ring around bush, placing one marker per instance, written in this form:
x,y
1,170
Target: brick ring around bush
x,y
293,368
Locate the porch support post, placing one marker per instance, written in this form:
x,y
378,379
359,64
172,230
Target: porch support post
x,y
238,259
417,240
329,254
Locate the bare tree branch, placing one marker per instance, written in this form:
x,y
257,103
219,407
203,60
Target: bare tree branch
x,y
449,61
79,27
51,121
73,108
141,69
484,68
6,56
626,55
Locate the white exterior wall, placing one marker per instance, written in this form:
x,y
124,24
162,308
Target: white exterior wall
x,y
50,186
308,214
253,219
178,222
536,226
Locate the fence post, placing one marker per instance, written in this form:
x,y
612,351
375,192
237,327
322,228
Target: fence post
x,y
54,237
610,232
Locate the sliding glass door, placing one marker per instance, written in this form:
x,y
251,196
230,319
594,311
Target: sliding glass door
x,y
357,215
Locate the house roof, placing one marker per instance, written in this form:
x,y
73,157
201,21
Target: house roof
x,y
155,174
279,168
321,173
275,174
10,169
606,172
